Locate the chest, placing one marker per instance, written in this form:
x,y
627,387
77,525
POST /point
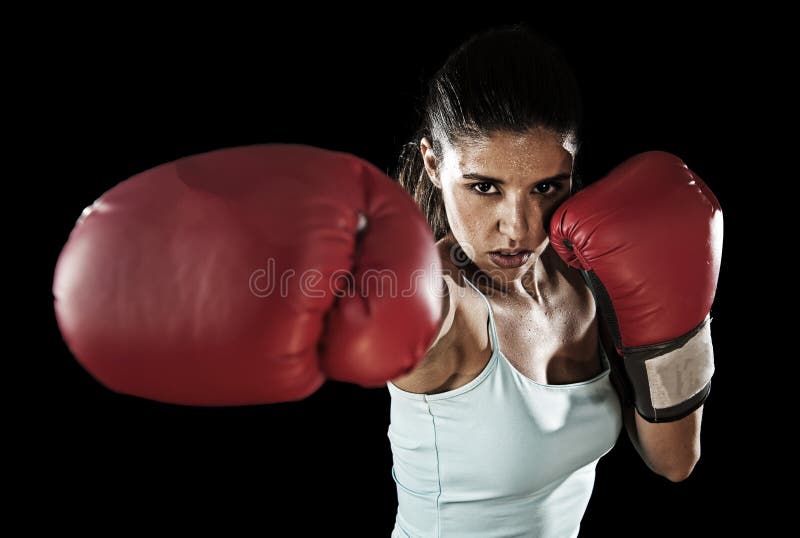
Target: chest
x,y
555,342
451,444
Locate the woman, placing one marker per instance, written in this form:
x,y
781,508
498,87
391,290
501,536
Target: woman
x,y
499,428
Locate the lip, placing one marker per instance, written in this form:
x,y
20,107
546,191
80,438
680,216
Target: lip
x,y
517,259
508,252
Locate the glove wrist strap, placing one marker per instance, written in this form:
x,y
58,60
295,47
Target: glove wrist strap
x,y
665,381
672,379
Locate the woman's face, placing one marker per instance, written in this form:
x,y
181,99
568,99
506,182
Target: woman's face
x,y
500,192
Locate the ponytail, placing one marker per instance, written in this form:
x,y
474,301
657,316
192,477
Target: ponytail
x,y
413,177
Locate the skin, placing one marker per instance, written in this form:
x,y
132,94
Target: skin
x,y
545,314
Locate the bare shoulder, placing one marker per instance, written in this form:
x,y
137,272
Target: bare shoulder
x,y
443,356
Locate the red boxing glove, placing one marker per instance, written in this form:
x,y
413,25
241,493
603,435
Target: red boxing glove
x,y
245,276
648,237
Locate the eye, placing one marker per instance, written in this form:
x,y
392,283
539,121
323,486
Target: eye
x,y
479,187
543,188
546,188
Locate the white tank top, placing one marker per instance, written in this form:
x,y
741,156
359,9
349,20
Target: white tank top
x,y
502,455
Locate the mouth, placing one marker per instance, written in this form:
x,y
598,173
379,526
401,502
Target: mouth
x,y
508,259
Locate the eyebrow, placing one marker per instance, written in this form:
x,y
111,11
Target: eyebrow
x,y
557,177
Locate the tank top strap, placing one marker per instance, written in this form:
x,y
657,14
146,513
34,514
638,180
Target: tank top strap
x,y
605,359
492,328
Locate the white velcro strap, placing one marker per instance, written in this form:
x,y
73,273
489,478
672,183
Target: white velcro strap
x,y
680,374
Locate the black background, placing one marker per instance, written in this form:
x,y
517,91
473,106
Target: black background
x,y
127,96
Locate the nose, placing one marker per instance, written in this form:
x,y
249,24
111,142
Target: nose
x,y
515,216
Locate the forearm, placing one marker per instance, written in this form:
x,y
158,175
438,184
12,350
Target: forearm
x,y
670,449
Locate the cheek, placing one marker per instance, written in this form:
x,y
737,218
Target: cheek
x,y
463,208
464,201
469,217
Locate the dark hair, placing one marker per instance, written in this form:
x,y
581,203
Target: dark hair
x,y
507,78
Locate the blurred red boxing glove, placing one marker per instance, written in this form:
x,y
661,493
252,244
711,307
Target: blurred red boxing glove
x,y
648,237
249,275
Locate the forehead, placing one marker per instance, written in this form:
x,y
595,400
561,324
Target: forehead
x,y
540,151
